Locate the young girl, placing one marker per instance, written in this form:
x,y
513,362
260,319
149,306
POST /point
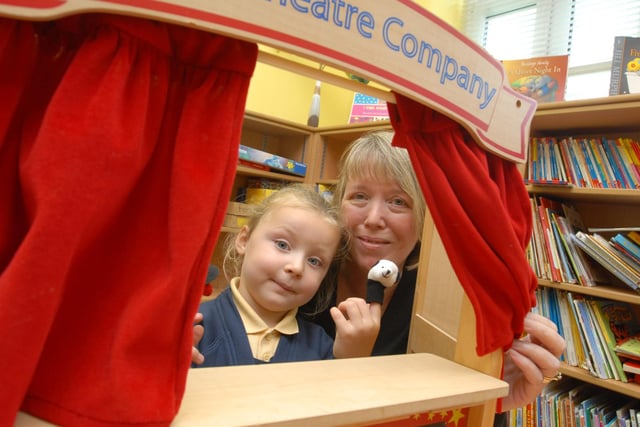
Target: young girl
x,y
287,253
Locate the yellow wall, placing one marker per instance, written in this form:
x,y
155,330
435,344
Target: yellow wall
x,y
286,95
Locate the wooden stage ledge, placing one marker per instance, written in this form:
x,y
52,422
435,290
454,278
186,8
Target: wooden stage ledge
x,y
350,392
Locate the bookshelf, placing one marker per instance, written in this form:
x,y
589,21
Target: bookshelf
x,y
615,116
281,137
330,142
272,135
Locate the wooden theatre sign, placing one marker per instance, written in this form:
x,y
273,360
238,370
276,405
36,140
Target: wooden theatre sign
x,y
393,42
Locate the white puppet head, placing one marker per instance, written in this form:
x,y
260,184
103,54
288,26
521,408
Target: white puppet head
x,y
385,272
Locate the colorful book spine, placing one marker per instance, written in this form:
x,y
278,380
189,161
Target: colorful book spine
x,y
532,163
582,161
612,178
634,171
608,341
570,147
567,161
587,326
633,148
599,163
616,164
596,179
628,245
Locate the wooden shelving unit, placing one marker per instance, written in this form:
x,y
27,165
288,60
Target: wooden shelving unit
x,y
602,208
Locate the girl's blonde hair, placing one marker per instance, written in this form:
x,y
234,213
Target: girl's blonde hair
x,y
295,196
374,158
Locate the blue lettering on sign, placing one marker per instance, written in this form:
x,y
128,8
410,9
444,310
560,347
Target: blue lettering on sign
x,y
448,68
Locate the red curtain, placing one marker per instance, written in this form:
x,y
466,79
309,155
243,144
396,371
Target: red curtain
x,y
481,210
118,147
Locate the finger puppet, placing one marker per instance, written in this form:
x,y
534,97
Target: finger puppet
x,y
383,274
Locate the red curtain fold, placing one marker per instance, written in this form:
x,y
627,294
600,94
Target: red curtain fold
x,y
481,210
119,142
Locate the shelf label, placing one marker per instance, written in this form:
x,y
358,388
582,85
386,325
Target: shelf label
x,y
395,43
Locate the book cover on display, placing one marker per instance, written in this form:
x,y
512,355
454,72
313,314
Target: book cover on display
x,y
542,78
625,66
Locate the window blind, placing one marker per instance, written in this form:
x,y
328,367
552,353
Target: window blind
x,y
584,29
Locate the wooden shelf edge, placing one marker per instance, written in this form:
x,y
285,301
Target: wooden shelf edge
x,y
628,389
606,292
613,195
247,170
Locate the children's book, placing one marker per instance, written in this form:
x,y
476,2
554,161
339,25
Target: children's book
x,y
629,348
624,318
600,250
627,246
596,351
542,78
608,341
625,66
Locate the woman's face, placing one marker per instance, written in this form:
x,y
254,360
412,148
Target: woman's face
x,y
380,217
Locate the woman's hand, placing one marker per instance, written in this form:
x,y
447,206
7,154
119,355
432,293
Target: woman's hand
x,y
198,331
357,327
531,360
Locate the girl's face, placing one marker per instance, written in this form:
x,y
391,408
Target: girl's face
x,y
285,259
381,219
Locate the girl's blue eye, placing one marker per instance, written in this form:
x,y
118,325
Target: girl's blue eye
x,y
281,244
315,262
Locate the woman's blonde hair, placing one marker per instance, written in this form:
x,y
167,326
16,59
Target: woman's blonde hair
x,y
297,196
373,157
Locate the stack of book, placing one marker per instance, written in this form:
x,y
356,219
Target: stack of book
x,y
620,255
574,403
596,331
584,162
553,253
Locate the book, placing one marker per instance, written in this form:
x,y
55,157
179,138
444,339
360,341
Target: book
x,y
625,66
623,147
627,247
629,348
623,411
545,207
594,248
623,317
573,353
542,78
587,326
273,161
260,166
631,366
628,266
617,163
537,253
608,340
577,258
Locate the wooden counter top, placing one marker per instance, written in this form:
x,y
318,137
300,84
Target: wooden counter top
x,y
332,393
